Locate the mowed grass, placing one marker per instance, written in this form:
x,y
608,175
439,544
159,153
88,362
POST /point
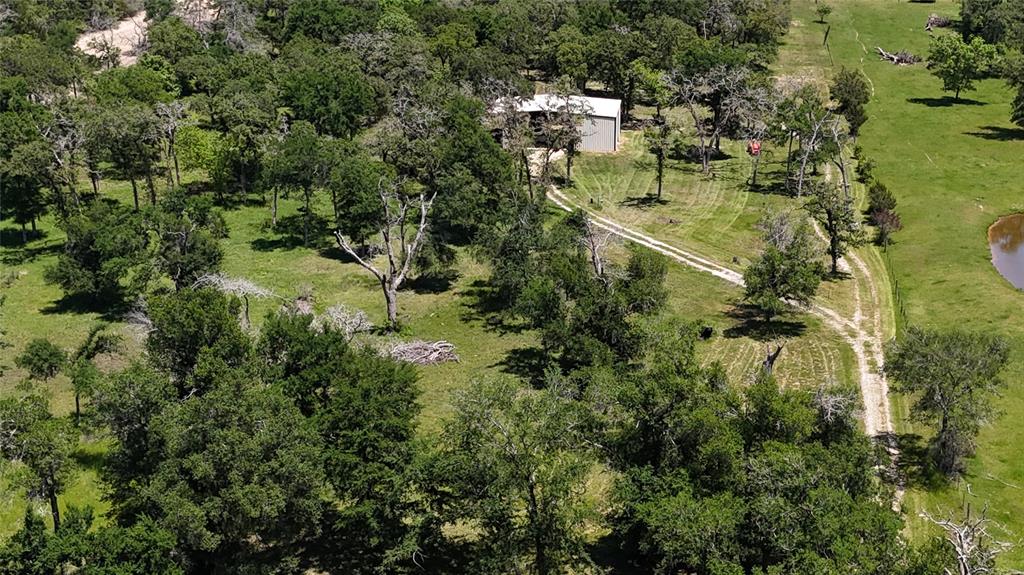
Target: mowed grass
x,y
716,217
955,167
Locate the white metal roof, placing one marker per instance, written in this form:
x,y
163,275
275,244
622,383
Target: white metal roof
x,y
602,107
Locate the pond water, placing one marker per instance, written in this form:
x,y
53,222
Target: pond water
x,y
1006,239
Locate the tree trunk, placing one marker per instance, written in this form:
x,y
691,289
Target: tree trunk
x,y
273,209
151,187
177,169
78,408
529,177
661,166
568,166
135,193
391,301
305,220
24,234
95,179
789,159
54,509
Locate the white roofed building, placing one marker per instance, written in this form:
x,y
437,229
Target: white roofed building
x,y
602,117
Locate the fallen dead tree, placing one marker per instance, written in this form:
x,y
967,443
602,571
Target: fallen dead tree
x,y
340,318
936,21
901,58
420,352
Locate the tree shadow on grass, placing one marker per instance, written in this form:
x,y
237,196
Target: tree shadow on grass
x,y
333,252
481,303
752,324
21,256
915,465
643,202
998,133
772,188
529,363
611,555
11,238
287,235
92,460
433,283
945,102
109,308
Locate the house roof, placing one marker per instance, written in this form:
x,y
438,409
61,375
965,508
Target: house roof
x,y
603,107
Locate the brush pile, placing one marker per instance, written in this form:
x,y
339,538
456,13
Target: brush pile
x,y
936,21
901,58
420,352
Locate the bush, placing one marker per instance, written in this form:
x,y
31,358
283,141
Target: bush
x,y
42,359
106,255
887,223
865,170
880,198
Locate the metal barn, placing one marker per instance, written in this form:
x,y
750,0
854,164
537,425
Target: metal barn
x,y
602,118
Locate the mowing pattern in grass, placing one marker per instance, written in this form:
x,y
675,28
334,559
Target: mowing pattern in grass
x,y
954,167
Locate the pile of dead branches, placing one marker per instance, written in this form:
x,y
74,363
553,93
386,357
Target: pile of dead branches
x,y
901,58
936,21
340,318
420,352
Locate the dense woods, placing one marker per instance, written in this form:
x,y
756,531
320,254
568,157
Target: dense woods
x,y
293,448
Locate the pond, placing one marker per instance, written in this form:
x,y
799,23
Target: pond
x,y
1006,239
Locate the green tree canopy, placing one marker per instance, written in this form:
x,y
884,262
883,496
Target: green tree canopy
x,y
106,254
953,377
957,63
195,336
41,358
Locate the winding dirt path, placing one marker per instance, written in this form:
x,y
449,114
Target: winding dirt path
x,y
863,332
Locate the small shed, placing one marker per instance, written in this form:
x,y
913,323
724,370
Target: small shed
x,y
602,118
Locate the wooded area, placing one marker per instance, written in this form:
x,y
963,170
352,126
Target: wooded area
x,y
289,443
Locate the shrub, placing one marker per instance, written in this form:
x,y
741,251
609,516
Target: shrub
x,y
41,358
880,198
865,169
887,222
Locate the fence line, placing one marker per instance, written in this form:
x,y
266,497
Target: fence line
x,y
897,294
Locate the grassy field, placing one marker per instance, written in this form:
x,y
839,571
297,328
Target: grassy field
x,y
955,167
716,218
278,261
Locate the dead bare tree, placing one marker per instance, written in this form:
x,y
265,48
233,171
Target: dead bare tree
x,y
975,548
778,229
812,143
239,287
562,127
171,117
341,318
596,241
514,126
771,357
728,87
838,140
834,405
901,58
398,207
66,142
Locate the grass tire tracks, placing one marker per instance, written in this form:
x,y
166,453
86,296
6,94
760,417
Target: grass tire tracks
x,y
863,335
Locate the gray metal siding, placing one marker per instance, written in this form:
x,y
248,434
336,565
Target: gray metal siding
x,y
600,134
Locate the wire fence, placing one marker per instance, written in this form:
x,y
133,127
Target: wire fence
x,y
897,294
